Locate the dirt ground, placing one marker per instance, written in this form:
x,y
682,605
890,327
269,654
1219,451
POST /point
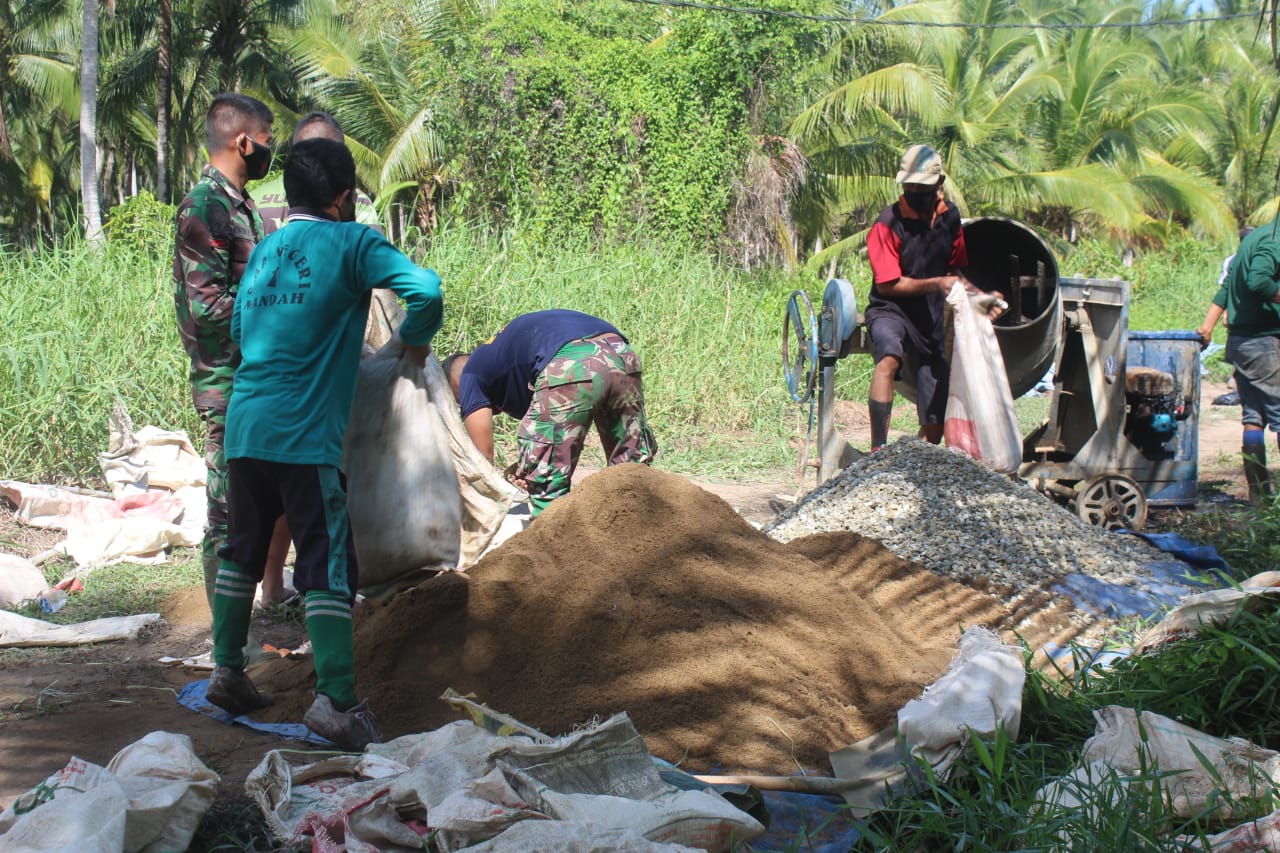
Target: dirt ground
x,y
92,701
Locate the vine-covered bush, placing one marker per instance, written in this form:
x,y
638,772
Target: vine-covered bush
x,y
574,116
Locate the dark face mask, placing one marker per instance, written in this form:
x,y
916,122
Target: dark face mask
x,y
258,161
922,203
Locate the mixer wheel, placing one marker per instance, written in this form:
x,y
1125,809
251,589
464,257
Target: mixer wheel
x,y
1111,501
800,346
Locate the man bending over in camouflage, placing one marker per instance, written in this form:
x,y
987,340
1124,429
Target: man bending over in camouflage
x,y
218,226
556,372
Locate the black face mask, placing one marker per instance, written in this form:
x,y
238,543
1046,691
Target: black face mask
x,y
922,203
258,161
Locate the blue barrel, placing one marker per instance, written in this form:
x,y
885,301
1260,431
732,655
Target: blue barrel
x,y
1173,482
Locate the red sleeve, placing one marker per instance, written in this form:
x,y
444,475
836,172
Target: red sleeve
x,y
882,250
959,254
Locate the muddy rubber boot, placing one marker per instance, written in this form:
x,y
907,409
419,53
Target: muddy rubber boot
x,y
1261,484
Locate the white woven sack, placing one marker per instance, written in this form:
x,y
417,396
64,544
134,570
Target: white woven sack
x,y
980,419
402,492
981,690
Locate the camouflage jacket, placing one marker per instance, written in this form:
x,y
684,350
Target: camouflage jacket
x,y
218,226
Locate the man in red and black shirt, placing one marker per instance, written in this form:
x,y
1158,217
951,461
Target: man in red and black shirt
x,y
916,249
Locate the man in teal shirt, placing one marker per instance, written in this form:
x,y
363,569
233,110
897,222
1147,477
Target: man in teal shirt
x,y
1250,296
299,320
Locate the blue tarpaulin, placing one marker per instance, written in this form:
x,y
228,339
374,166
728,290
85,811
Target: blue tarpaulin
x,y
1196,568
192,696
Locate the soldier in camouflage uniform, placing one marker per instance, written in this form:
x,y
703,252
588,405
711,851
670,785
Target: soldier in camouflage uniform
x,y
557,372
218,226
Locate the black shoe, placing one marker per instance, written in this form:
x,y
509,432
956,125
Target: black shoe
x,y
232,691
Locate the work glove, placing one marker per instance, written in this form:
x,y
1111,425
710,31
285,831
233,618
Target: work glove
x,y
989,303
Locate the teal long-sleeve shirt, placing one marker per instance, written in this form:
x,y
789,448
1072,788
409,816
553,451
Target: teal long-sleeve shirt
x,y
1252,282
299,319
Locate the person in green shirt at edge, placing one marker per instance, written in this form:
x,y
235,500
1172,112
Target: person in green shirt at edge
x,y
273,207
1250,297
299,320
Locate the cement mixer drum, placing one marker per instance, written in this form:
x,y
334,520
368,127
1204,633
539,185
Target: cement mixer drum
x,y
1009,257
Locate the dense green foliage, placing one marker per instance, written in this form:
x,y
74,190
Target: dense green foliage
x,y
767,138
582,124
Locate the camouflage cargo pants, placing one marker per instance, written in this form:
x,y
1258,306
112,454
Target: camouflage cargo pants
x,y
596,380
215,463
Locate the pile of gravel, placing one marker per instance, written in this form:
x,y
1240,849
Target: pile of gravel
x,y
958,518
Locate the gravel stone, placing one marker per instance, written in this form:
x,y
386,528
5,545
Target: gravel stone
x,y
961,520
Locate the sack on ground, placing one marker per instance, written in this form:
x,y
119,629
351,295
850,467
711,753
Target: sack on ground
x,y
980,692
594,790
980,419
20,580
1199,775
149,798
402,492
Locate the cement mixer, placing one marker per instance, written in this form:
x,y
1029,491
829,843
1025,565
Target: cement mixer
x,y
1121,429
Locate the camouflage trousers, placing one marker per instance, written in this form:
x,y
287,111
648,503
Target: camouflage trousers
x,y
596,380
215,463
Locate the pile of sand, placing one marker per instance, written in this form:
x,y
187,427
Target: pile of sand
x,y
641,592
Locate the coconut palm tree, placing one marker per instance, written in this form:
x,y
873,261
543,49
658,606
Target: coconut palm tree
x,y
92,210
164,95
1063,128
381,80
165,68
37,96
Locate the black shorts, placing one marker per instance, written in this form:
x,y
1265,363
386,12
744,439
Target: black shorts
x,y
314,500
891,337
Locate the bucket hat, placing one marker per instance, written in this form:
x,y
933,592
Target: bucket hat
x,y
920,165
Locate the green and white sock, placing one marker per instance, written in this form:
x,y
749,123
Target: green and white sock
x,y
232,608
332,646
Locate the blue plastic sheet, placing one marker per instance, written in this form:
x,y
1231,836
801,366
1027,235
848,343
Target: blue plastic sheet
x,y
1203,557
193,696
1196,568
796,822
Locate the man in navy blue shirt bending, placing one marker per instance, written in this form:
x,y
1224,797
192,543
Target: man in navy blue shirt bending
x,y
556,372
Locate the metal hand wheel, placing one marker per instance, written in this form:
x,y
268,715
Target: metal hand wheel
x,y
800,347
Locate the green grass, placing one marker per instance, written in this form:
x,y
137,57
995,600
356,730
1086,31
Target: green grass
x,y
84,330
91,327
709,335
1247,538
1225,681
1171,288
123,589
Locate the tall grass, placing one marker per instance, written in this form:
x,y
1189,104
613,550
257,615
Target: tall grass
x,y
1171,288
85,328
89,327
709,335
